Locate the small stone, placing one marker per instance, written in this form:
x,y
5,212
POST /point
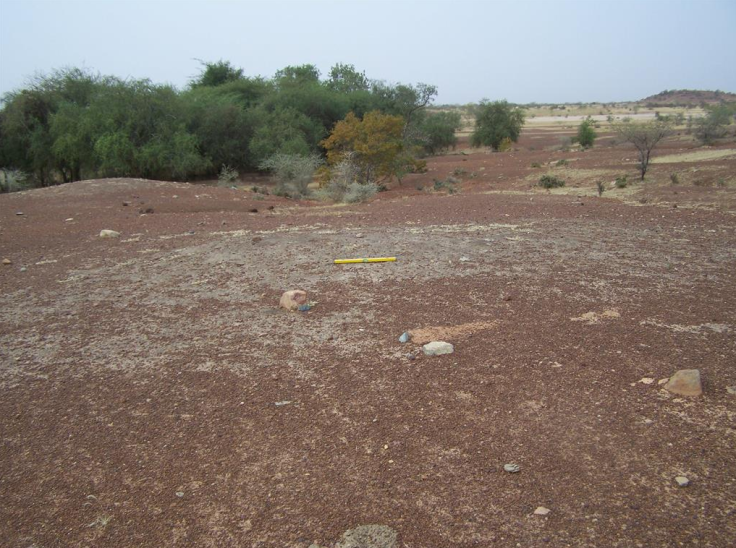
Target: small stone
x,y
647,380
685,382
663,381
292,299
682,481
731,390
109,234
464,259
541,511
512,468
411,357
23,269
126,204
69,220
19,213
180,494
282,403
7,261
438,348
404,337
369,536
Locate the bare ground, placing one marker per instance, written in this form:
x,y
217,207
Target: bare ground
x,y
140,376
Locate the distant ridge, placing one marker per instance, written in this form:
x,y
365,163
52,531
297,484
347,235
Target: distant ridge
x,y
694,97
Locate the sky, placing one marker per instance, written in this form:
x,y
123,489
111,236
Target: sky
x,y
522,51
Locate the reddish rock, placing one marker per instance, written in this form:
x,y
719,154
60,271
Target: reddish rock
x,y
291,300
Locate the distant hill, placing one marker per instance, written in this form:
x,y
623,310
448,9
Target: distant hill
x,y
694,97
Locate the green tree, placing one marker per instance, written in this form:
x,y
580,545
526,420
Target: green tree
x,y
345,79
645,136
438,131
495,122
586,133
713,125
216,74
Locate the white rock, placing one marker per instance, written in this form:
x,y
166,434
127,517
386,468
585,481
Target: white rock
x,y
682,481
437,348
109,234
647,380
541,511
512,468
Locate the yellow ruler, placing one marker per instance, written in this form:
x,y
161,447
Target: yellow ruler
x,y
366,260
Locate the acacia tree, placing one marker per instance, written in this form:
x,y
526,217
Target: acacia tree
x,y
496,122
645,136
375,144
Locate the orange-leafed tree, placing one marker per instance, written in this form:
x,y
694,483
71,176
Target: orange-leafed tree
x,y
375,145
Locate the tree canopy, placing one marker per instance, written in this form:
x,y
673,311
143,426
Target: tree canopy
x,y
495,123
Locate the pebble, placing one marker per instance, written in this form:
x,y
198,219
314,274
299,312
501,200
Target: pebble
x,y
731,390
464,259
541,511
404,337
411,357
647,380
69,220
685,382
7,261
282,403
682,481
438,348
180,494
109,234
19,213
512,468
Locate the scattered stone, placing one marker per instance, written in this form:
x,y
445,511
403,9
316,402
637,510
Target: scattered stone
x,y
306,307
109,234
404,337
69,220
663,381
23,269
411,357
682,481
541,511
729,389
282,403
126,204
7,261
685,382
438,348
368,536
180,494
464,259
19,213
291,300
360,235
146,211
647,380
512,468
254,210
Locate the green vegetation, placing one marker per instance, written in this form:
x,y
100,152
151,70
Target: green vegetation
x,y
586,133
293,173
74,124
644,136
497,125
622,182
714,124
550,181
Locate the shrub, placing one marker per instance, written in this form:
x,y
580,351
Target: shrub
x,y
448,184
675,179
292,173
227,176
12,180
622,182
561,163
586,134
600,185
497,124
344,183
357,192
550,181
536,164
438,131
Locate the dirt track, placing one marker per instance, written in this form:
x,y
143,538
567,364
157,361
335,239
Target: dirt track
x,y
140,376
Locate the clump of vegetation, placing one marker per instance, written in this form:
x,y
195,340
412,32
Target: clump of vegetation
x,y
586,133
497,124
674,179
536,164
459,172
293,173
550,181
622,182
713,125
344,184
446,184
601,187
437,131
644,136
12,180
227,176
561,163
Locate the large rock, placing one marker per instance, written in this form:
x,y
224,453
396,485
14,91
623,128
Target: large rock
x,y
109,234
437,348
685,382
292,300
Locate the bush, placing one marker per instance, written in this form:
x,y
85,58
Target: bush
x,y
448,184
497,124
586,134
357,192
550,181
292,173
227,176
675,179
12,180
536,164
438,131
622,182
561,163
600,185
344,185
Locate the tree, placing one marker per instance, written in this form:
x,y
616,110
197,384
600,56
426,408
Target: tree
x,y
345,79
375,144
713,125
438,131
496,121
586,134
216,74
645,136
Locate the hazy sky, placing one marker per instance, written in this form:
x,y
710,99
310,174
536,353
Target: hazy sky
x,y
524,51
